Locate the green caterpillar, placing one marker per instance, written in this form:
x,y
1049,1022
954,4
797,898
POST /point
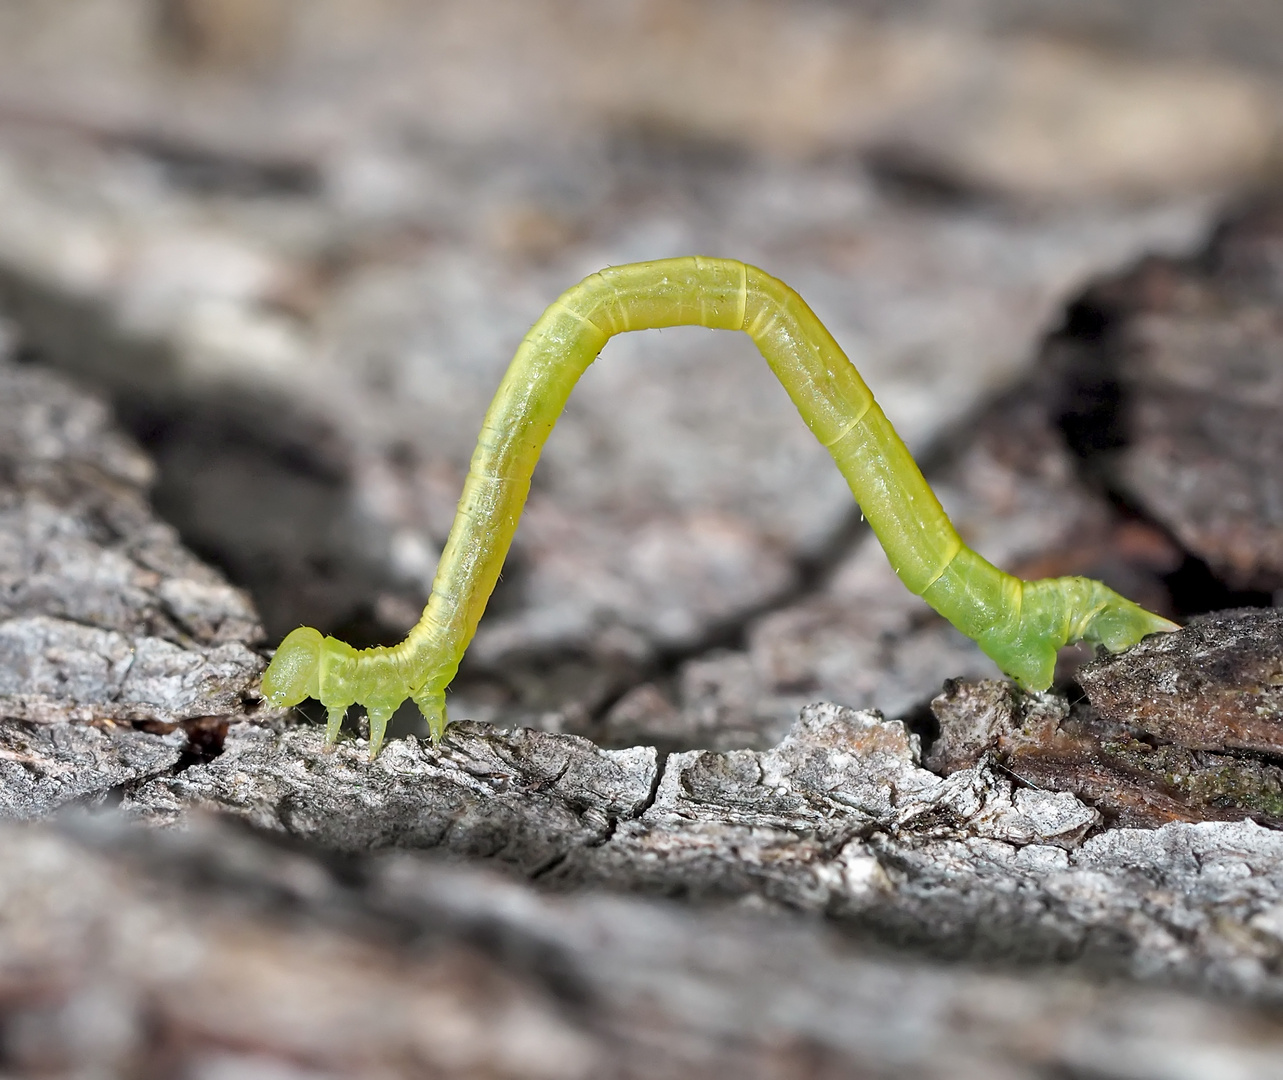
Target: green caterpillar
x,y
1019,624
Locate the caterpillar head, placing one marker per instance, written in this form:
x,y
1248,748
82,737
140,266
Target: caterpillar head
x,y
294,673
308,665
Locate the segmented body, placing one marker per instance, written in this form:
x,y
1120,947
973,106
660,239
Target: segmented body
x,y
1019,624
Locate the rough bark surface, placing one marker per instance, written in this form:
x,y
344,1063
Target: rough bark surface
x,y
161,951
297,242
1216,686
838,819
211,952
1185,727
119,650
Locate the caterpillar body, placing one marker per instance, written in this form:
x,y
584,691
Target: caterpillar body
x,y
1019,624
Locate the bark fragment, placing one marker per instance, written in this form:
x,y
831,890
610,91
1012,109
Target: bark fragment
x,y
1184,727
1216,685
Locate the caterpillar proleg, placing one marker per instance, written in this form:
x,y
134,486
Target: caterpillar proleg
x,y
1019,624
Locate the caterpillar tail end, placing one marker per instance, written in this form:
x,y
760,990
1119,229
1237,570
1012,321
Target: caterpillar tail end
x,y
1119,624
1061,611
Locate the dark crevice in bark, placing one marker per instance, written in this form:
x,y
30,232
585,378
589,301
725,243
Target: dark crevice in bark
x,y
205,737
661,767
549,867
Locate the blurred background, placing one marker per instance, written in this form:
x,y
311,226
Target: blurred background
x,y
297,241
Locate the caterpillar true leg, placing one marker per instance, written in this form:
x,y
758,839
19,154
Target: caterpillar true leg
x,y
1020,624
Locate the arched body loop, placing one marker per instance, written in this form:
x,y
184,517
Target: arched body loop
x,y
1020,624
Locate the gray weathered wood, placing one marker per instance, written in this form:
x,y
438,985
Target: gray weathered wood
x,y
115,641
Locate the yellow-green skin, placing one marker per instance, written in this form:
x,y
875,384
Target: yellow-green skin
x,y
1019,624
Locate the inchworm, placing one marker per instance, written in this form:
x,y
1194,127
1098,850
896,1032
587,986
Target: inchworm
x,y
1019,624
